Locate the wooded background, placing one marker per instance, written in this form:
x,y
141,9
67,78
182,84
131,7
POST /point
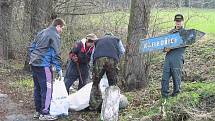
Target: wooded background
x,y
130,20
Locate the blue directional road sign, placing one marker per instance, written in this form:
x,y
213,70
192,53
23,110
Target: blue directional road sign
x,y
176,40
161,42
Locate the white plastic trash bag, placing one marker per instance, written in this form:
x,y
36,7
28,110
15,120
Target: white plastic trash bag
x,y
59,103
80,100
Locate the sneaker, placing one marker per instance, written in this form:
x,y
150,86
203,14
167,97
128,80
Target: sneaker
x,y
36,115
47,117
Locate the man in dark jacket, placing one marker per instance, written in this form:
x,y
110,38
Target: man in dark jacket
x,y
173,63
44,53
107,52
79,65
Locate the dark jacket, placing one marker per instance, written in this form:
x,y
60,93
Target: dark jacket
x,y
82,52
178,52
108,46
45,49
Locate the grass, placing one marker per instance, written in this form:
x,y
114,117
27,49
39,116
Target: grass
x,y
24,84
201,19
192,96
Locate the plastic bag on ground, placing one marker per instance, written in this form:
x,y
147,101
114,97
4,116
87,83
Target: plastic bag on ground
x,y
59,102
80,99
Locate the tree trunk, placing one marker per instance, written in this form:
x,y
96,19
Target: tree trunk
x,y
27,35
40,17
5,24
1,35
136,64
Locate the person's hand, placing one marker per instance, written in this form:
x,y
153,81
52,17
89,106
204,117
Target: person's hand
x,y
53,68
60,74
73,57
167,49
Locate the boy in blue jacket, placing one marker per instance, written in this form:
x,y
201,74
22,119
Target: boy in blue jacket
x,y
44,53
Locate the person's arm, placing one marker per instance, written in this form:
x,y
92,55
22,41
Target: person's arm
x,y
56,59
73,54
76,48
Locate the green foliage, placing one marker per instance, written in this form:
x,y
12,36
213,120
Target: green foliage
x,y
145,104
191,97
203,89
130,96
152,111
25,84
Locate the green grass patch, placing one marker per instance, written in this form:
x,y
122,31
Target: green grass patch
x,y
201,19
200,88
161,19
191,97
192,93
26,84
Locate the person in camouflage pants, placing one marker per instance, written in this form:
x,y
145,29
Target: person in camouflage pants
x,y
102,65
106,57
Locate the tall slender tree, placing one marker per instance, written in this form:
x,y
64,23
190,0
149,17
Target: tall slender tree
x,y
136,64
5,25
41,15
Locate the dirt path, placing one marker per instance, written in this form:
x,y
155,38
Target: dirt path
x,y
11,109
18,105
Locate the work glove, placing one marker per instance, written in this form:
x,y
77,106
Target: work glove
x,y
59,73
53,68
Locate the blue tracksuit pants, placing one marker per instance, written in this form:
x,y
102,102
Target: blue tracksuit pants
x,y
43,86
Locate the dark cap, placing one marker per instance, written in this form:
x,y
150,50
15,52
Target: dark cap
x,y
178,17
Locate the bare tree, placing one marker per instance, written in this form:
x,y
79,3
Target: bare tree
x,y
1,32
136,65
5,22
40,17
